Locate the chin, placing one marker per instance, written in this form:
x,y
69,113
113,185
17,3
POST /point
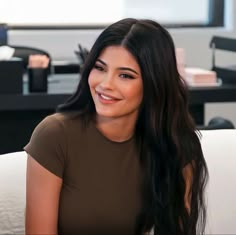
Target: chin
x,y
107,114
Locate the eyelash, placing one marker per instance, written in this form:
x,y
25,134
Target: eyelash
x,y
123,75
126,76
98,67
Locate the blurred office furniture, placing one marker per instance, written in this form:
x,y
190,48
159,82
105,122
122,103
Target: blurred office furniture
x,y
219,150
3,34
24,52
20,113
58,67
11,76
81,54
228,73
218,123
11,71
68,67
65,67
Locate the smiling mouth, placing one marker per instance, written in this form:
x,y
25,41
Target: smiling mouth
x,y
106,96
106,99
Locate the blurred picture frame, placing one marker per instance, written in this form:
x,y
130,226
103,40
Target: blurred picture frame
x,y
3,34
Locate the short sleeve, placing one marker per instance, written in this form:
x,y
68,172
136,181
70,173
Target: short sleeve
x,y
47,145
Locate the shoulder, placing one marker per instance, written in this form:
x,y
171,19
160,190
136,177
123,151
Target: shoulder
x,y
53,130
48,144
57,119
63,129
50,125
60,122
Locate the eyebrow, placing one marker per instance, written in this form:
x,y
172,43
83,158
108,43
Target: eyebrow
x,y
120,68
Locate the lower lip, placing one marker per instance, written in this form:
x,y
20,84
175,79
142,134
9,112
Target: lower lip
x,y
104,101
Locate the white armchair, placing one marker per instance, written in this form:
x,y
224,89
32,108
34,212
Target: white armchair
x,y
12,192
219,147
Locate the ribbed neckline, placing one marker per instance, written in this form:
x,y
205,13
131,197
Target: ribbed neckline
x,y
102,136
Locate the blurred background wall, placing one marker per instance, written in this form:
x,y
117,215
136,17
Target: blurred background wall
x,y
62,43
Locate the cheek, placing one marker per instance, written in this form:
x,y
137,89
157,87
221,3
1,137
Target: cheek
x,y
92,80
134,93
91,85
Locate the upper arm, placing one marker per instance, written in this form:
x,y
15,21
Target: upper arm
x,y
42,199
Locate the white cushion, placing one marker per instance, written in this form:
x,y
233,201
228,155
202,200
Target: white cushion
x,y
12,192
219,148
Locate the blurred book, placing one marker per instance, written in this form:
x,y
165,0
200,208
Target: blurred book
x,y
201,77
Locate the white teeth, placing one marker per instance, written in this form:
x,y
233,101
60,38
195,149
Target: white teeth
x,y
105,97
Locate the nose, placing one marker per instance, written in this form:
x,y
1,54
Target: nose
x,y
107,81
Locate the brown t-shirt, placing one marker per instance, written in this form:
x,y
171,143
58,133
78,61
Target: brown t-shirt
x,y
101,191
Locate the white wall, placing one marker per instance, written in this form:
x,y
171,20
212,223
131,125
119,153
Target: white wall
x,y
61,45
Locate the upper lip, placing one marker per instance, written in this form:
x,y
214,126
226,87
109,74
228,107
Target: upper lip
x,y
105,94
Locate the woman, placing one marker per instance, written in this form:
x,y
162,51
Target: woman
x,y
121,156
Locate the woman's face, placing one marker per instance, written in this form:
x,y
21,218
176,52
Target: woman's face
x,y
116,84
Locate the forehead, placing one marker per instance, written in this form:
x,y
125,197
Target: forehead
x,y
118,55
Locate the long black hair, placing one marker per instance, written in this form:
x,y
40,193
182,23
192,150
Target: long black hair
x,y
165,131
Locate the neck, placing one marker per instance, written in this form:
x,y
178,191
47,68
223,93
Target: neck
x,y
116,129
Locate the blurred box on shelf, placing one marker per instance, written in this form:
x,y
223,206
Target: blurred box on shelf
x,y
200,77
11,76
